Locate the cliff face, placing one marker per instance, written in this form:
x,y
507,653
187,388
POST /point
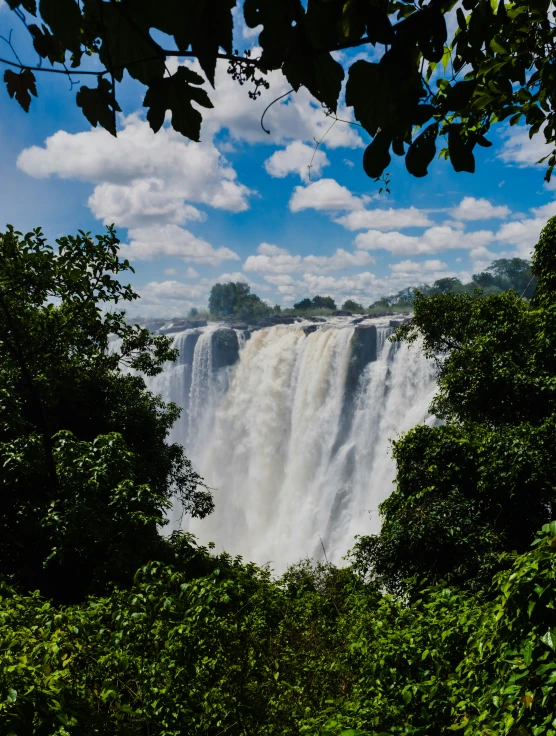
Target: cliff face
x,y
225,348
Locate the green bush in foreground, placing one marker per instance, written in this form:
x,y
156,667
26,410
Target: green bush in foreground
x,y
315,653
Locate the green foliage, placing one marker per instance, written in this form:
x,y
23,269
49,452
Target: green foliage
x,y
317,302
501,275
473,492
352,306
235,300
503,49
87,472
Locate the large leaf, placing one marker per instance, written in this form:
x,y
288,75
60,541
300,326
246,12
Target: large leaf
x,y
64,19
421,152
176,94
369,92
127,43
99,105
21,86
460,94
319,72
377,156
461,153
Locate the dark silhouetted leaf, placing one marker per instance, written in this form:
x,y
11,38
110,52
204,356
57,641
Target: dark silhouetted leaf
x,y
369,92
176,94
421,152
21,86
377,157
461,154
99,105
460,94
64,19
46,45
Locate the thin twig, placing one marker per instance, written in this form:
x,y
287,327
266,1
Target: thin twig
x,y
272,103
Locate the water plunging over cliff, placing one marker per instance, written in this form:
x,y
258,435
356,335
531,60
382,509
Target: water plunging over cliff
x,y
291,426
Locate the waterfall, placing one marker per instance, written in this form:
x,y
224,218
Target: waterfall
x,y
291,427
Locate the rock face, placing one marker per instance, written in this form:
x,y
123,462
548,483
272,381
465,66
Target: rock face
x,y
225,348
342,313
310,328
363,352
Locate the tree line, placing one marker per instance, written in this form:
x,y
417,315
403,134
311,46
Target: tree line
x,y
235,300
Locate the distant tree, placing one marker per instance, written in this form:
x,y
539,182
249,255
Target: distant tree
x,y
517,273
323,302
235,299
350,306
304,304
224,298
276,309
193,312
447,285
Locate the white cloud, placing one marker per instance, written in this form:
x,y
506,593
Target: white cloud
x,y
520,150
274,260
433,240
146,244
407,267
382,219
295,117
478,209
296,159
325,195
191,273
545,211
267,249
141,178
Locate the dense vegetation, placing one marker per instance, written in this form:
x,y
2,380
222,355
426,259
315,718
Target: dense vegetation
x,y
444,622
495,63
501,275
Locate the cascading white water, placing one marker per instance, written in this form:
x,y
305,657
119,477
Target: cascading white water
x,y
296,450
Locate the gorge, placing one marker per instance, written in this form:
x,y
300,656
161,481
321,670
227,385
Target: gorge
x,y
290,425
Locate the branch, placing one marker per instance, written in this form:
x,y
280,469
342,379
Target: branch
x,y
67,72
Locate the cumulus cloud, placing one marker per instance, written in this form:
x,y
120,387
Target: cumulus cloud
x,y
384,219
148,243
418,267
296,159
295,117
520,150
433,240
141,178
273,260
478,209
325,195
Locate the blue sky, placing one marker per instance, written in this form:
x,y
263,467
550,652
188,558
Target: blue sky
x,y
240,205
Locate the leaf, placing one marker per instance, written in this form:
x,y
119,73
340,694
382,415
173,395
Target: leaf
x,y
209,26
64,19
459,95
12,695
368,91
21,86
176,94
550,639
421,151
46,45
461,154
377,157
99,105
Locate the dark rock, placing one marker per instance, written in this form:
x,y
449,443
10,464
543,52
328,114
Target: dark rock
x,y
310,328
315,319
179,325
357,321
363,352
342,313
279,319
225,348
239,326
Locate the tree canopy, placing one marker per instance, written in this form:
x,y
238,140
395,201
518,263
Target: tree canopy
x,y
87,472
424,84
